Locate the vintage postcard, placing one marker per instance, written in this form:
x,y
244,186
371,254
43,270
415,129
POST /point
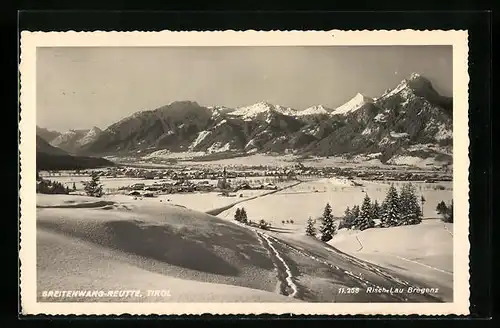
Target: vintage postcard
x,y
244,172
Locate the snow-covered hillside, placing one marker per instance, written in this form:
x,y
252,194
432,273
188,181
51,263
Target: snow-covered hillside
x,y
84,243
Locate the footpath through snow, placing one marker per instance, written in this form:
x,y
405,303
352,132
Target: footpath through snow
x,y
288,283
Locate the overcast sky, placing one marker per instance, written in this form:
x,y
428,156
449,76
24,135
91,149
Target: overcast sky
x,y
78,88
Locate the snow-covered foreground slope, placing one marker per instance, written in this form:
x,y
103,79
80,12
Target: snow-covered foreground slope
x,y
66,263
102,244
141,245
424,251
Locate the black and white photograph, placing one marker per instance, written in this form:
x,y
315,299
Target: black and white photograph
x,y
245,174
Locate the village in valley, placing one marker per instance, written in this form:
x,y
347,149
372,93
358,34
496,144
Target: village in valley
x,y
151,182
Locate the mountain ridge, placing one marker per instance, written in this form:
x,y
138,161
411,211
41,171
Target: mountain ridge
x,y
49,157
407,117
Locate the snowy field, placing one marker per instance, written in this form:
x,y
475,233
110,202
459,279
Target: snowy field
x,y
198,201
125,243
308,199
424,250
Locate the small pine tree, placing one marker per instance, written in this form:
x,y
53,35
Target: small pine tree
x,y
390,216
376,211
348,220
441,208
310,229
355,211
327,228
383,208
364,220
94,187
244,217
347,212
237,215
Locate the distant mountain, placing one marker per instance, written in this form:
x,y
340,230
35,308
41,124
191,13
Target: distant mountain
x,y
49,157
89,137
411,120
46,134
352,105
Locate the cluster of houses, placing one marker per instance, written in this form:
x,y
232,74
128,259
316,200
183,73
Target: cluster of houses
x,y
184,173
181,173
183,185
387,175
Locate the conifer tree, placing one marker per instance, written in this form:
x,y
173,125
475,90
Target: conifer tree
x,y
243,214
447,213
327,228
348,220
390,216
94,187
383,208
310,229
355,211
237,215
409,208
441,207
347,211
364,220
376,210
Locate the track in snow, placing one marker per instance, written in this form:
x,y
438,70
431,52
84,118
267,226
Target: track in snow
x,y
285,276
422,264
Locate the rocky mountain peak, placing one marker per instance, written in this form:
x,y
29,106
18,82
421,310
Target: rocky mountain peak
x,y
352,105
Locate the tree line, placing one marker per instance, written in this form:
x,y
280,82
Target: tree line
x,y
241,216
93,188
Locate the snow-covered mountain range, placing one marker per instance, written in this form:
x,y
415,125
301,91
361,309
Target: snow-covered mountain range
x,y
410,120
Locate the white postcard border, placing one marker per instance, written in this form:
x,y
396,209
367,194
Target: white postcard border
x,y
30,41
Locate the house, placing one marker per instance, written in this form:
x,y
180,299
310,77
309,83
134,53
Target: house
x,y
137,186
244,186
270,186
